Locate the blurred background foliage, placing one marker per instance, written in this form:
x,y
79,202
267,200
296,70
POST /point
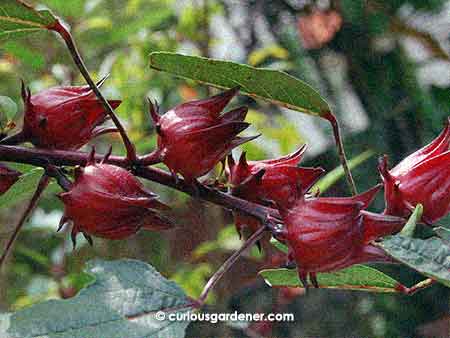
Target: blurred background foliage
x,y
382,65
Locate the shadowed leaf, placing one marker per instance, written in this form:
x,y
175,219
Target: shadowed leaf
x,y
25,186
430,257
121,302
443,232
8,109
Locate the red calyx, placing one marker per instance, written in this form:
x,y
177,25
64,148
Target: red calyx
x,y
268,182
63,117
193,137
330,233
422,177
108,201
8,177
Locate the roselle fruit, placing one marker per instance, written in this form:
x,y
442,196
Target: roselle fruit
x,y
193,137
330,233
108,201
268,182
62,117
8,177
422,177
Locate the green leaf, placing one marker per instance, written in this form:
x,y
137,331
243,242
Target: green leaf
x,y
8,109
267,84
356,277
410,226
280,246
121,302
430,257
443,232
26,185
22,189
17,18
337,173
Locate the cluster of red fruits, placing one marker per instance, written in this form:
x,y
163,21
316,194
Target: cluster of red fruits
x,y
322,233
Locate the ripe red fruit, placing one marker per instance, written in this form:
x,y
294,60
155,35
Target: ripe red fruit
x,y
268,182
271,180
108,201
193,137
330,233
8,177
63,117
422,177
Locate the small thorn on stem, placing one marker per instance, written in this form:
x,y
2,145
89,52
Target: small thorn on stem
x,y
91,158
14,139
231,162
102,80
89,239
57,173
73,237
259,245
313,278
107,155
303,279
243,159
175,177
26,93
154,111
62,222
251,178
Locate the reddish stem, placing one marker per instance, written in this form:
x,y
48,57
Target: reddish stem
x,y
150,159
228,264
43,183
14,139
42,157
415,288
70,43
341,152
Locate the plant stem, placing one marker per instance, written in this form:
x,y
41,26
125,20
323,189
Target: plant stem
x,y
228,264
17,138
150,159
340,145
417,287
70,43
42,157
43,183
